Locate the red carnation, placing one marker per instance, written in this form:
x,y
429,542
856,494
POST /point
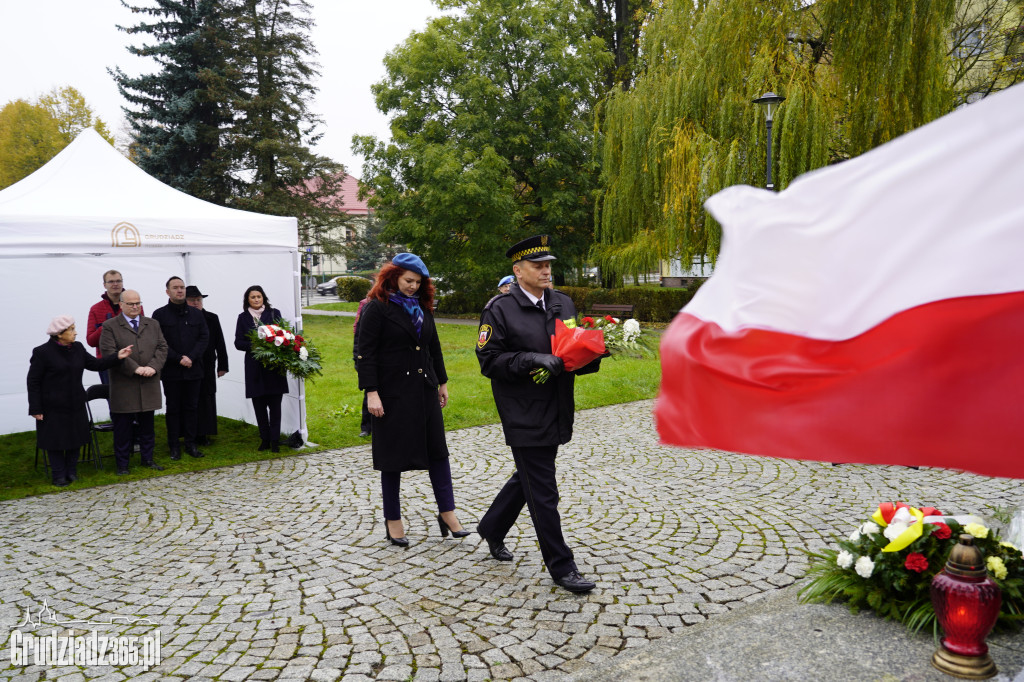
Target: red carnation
x,y
587,322
610,319
916,562
941,531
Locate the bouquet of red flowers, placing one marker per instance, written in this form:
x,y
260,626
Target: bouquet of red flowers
x,y
580,344
279,349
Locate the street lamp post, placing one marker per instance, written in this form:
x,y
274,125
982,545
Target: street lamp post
x,y
770,101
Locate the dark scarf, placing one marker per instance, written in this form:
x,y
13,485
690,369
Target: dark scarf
x,y
411,306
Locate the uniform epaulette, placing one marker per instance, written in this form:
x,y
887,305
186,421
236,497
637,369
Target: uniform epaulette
x,y
493,299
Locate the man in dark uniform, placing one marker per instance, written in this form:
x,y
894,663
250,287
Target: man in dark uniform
x,y
185,330
514,341
215,365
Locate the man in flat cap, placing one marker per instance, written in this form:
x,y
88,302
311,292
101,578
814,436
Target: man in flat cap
x,y
514,340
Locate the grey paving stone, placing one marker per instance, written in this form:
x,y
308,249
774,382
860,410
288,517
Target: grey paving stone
x,y
277,569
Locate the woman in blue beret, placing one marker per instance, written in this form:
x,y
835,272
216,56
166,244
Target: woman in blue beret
x,y
402,371
505,283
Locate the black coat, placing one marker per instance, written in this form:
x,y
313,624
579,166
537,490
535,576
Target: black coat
x,y
184,329
55,391
259,380
215,357
405,370
512,329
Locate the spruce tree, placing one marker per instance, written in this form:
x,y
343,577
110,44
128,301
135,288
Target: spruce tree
x,y
179,112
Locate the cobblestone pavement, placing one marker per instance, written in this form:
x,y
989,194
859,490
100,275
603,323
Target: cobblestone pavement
x,y
279,569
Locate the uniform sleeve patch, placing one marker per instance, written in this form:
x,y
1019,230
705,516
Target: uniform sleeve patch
x,y
484,337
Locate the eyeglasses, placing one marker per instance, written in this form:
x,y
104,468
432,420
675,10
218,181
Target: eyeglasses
x,y
114,281
131,304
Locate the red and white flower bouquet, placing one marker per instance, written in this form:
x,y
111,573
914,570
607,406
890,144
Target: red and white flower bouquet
x,y
579,344
281,350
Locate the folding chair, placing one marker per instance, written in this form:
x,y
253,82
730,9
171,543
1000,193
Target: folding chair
x,y
97,392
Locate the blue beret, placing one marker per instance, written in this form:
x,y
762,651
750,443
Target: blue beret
x,y
412,262
507,279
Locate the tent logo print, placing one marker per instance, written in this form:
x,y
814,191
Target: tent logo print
x,y
125,234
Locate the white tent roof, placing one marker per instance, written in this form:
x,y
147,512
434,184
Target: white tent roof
x,y
90,210
89,198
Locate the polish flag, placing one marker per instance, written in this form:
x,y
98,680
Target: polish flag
x,y
872,312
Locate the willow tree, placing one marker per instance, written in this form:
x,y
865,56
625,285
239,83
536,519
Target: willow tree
x,y
854,74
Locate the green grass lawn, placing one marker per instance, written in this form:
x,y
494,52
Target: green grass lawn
x,y
333,405
344,306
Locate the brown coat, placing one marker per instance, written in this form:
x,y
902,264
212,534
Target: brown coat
x,y
130,392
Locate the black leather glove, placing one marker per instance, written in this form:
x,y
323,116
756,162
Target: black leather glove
x,y
551,363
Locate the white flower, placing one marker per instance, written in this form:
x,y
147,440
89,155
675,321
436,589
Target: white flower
x,y
303,353
864,567
869,528
855,535
630,330
894,530
844,560
263,332
278,340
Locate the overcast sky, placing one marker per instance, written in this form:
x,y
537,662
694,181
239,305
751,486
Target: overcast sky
x,y
50,43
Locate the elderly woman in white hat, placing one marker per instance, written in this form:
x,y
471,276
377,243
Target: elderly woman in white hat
x,y
56,398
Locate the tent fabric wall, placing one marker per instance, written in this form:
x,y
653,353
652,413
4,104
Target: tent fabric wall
x,y
90,210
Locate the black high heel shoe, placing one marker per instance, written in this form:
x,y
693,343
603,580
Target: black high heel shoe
x,y
401,542
445,529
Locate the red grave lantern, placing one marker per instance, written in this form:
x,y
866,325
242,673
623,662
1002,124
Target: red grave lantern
x,y
966,602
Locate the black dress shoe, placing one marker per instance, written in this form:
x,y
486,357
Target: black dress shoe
x,y
264,445
574,582
445,529
193,451
275,446
401,542
175,453
122,472
364,434
153,465
498,549
62,482
72,478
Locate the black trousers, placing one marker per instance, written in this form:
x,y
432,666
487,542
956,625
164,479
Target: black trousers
x,y
63,464
268,416
182,410
127,425
534,485
206,422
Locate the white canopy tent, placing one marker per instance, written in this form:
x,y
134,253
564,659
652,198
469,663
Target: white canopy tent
x,y
90,210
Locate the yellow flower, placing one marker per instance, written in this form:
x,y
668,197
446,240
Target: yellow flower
x,y
570,323
977,530
996,567
1010,545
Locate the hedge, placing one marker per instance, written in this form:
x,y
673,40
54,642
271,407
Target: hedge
x,y
352,288
650,304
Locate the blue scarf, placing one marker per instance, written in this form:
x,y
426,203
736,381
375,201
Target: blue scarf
x,y
411,306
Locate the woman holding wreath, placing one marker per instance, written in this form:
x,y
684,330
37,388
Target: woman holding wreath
x,y
263,386
402,371
56,398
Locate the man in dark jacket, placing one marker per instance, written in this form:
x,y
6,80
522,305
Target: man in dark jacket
x,y
514,341
215,365
187,336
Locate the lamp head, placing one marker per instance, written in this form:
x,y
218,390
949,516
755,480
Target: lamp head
x,y
770,101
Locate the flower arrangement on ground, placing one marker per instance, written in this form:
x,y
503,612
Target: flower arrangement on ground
x,y
580,343
888,562
281,350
